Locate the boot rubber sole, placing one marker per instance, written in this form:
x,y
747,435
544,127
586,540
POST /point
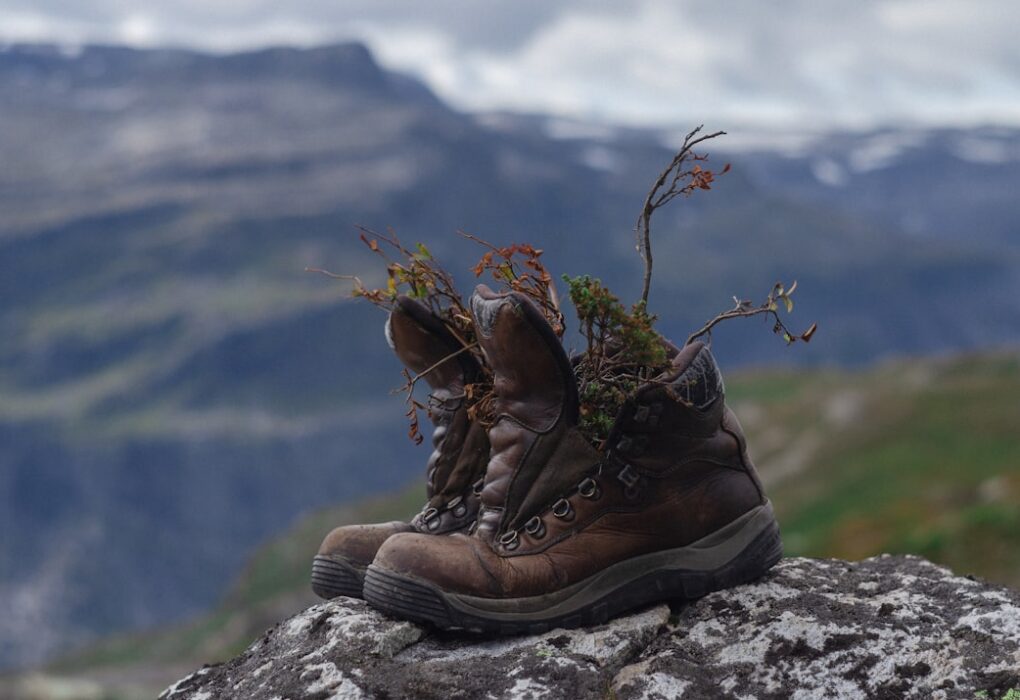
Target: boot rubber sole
x,y
334,576
737,553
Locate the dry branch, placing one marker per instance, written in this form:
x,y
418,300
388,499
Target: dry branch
x,y
681,181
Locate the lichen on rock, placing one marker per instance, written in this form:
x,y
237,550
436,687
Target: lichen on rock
x,y
883,627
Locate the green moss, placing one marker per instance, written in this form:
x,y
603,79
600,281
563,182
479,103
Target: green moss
x,y
622,347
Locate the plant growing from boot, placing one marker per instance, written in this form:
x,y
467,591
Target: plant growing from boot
x,y
683,177
519,267
416,273
622,348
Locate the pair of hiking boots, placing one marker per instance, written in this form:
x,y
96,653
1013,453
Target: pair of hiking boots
x,y
529,527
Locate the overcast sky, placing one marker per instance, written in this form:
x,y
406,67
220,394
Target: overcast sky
x,y
784,62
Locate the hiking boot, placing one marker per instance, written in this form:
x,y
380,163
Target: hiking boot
x,y
454,470
567,535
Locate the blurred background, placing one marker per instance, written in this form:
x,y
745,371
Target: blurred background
x,y
184,411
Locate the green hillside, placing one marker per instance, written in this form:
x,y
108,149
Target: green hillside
x,y
914,456
919,457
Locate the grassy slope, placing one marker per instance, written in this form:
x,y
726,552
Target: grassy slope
x,y
914,457
919,457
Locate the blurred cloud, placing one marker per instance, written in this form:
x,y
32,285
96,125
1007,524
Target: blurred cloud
x,y
815,63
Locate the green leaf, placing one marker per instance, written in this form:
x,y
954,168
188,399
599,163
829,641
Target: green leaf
x,y
424,252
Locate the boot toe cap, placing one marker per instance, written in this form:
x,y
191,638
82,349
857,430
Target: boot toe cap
x,y
455,564
358,544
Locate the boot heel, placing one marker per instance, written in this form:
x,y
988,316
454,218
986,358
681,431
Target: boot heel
x,y
753,562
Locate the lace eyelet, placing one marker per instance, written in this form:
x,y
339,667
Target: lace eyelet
x,y
431,518
535,527
476,488
563,510
632,481
589,488
510,540
457,506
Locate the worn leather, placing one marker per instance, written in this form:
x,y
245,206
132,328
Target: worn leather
x,y
423,344
358,544
460,446
535,406
675,470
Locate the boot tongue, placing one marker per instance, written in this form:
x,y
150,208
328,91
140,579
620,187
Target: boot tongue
x,y
533,377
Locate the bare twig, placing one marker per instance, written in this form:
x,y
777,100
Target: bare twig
x,y
415,272
320,271
680,181
409,387
769,307
480,241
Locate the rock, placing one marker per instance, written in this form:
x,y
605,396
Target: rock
x,y
884,627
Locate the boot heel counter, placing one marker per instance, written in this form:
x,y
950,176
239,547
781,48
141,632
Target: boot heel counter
x,y
731,426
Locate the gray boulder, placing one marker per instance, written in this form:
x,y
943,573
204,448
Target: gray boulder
x,y
887,627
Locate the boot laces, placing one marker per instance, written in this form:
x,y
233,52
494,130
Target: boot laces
x,y
562,509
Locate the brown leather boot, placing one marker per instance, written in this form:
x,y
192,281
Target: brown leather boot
x,y
567,536
455,468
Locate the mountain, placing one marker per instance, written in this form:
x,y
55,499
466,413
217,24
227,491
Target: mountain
x,y
931,184
174,389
